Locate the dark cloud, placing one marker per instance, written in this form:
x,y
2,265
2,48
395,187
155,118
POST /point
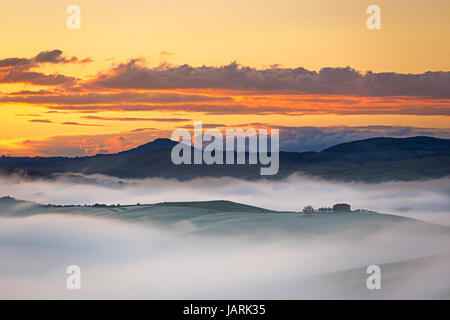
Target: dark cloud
x,y
41,120
14,62
16,70
28,115
36,78
49,56
30,93
227,109
299,91
101,98
68,123
54,56
204,126
56,111
86,60
71,123
336,81
203,108
135,119
142,130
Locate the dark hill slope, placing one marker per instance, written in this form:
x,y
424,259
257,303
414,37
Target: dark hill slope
x,y
387,149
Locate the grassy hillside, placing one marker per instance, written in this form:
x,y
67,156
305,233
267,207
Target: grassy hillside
x,y
228,217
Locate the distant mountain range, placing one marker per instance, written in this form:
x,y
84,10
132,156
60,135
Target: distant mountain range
x,y
370,160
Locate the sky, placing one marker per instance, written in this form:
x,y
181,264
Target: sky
x,y
137,70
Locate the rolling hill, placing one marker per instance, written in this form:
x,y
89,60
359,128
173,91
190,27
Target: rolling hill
x,y
228,217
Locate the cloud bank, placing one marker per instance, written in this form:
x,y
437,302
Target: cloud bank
x,y
228,89
342,81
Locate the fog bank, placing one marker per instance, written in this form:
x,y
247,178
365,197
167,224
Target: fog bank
x,y
142,261
425,200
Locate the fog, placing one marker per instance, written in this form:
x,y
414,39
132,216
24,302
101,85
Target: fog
x,y
122,259
142,261
425,200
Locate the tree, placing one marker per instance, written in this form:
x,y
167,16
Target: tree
x,y
308,209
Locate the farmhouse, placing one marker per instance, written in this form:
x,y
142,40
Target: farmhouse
x,y
341,207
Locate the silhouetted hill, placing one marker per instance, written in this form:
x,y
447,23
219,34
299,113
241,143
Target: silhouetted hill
x,y
370,160
157,144
387,149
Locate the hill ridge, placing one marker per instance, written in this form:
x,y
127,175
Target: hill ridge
x,y
368,160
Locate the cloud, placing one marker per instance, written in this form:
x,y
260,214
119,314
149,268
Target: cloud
x,y
17,70
81,145
135,119
36,78
41,120
204,126
68,123
239,108
291,138
72,123
110,145
218,103
142,130
105,98
14,62
211,109
49,56
229,89
28,115
332,81
29,93
53,56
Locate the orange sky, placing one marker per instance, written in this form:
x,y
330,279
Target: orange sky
x,y
96,102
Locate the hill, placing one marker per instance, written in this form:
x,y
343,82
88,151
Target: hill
x,y
370,160
231,218
388,149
